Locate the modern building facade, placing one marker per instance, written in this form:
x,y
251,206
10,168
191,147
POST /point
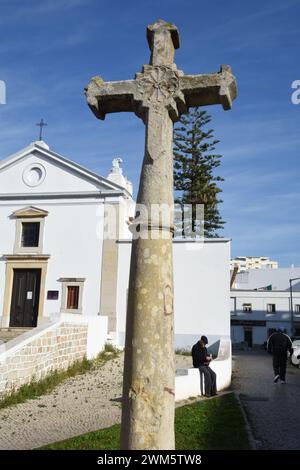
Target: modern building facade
x,y
263,300
244,263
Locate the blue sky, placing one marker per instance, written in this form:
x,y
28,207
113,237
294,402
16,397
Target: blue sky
x,y
50,49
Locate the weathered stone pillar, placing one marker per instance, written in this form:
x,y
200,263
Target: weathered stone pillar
x,y
158,95
148,390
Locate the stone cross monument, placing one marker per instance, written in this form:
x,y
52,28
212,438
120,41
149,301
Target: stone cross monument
x,y
158,95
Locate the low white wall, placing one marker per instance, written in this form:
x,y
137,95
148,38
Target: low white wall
x,y
96,334
51,346
187,381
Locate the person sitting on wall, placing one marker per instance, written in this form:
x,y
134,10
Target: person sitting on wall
x,y
201,361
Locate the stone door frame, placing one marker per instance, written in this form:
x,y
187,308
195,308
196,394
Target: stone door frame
x,y
23,262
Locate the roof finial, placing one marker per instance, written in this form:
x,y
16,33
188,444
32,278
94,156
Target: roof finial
x,y
116,165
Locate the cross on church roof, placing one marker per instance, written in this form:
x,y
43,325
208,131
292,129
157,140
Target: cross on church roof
x,y
41,124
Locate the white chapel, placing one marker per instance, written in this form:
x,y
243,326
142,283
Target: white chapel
x,y
65,248
51,242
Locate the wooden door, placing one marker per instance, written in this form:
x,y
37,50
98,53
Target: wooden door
x,y
25,297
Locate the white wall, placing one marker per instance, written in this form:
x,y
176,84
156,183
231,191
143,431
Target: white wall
x,y
76,253
259,301
57,178
73,239
279,278
201,290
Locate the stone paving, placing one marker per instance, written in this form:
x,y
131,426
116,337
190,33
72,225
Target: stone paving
x,y
81,404
272,409
7,334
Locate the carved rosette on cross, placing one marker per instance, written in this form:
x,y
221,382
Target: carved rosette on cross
x,y
158,95
159,85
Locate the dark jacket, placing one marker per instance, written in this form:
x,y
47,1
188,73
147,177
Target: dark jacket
x,y
199,355
279,344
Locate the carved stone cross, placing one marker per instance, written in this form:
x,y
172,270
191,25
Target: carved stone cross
x,y
158,95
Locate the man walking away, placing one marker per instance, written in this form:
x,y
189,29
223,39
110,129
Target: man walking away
x,y
278,345
201,360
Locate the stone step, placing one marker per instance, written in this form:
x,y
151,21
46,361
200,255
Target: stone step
x,y
7,334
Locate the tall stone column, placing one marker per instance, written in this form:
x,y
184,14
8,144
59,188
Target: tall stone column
x,y
148,390
158,95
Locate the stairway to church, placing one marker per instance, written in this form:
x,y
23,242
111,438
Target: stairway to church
x,y
7,334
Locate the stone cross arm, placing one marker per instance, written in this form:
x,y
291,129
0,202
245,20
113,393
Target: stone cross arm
x,y
166,84
214,88
109,97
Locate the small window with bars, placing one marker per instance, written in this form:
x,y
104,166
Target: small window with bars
x,y
247,307
30,234
73,297
297,308
271,308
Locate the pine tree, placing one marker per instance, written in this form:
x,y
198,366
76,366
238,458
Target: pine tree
x,y
194,165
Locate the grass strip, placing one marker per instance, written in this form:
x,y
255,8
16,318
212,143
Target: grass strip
x,y
214,424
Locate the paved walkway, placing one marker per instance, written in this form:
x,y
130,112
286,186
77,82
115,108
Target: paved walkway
x,y
272,409
82,404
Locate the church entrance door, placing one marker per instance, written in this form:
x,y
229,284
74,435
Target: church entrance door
x,y
25,297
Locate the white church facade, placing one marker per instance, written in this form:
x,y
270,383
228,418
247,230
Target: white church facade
x,y
52,224
56,257
62,258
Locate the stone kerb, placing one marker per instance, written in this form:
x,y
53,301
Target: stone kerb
x,y
187,381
